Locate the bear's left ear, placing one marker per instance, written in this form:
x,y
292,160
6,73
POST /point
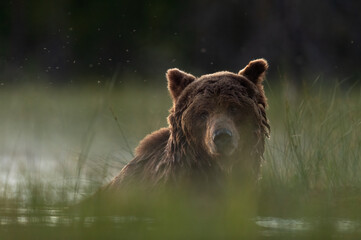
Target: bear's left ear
x,y
178,81
255,70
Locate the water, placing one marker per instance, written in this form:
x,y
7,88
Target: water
x,y
267,226
57,217
299,225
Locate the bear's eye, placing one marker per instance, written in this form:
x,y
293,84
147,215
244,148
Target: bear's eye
x,y
203,115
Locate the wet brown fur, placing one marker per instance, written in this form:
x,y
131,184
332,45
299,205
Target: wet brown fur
x,y
179,152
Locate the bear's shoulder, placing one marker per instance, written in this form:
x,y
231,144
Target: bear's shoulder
x,y
153,142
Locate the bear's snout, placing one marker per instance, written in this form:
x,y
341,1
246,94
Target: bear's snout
x,y
222,139
222,136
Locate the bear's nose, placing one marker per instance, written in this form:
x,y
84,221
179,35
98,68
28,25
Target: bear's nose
x,y
222,138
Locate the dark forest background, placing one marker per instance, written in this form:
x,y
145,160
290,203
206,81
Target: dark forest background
x,y
69,41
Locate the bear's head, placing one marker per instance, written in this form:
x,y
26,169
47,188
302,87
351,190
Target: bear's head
x,y
219,119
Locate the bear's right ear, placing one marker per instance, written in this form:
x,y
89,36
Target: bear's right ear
x,y
178,81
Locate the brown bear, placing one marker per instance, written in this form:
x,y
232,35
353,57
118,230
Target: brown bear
x,y
217,127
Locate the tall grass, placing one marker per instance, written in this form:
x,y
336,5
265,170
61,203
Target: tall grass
x,y
316,141
59,145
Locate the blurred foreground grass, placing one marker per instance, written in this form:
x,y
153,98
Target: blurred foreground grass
x,y
58,145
